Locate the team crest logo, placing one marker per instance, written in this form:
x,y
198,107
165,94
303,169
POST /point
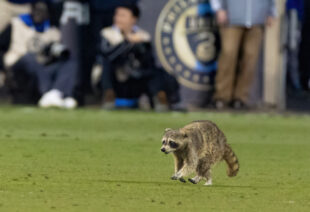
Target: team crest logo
x,y
186,43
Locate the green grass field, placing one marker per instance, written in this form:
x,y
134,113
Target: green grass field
x,y
92,160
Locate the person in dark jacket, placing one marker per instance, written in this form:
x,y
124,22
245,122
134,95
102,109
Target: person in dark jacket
x,y
128,64
101,16
102,13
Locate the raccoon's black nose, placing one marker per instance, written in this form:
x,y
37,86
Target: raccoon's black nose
x,y
163,150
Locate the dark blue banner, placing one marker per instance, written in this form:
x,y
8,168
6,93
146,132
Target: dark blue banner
x,y
186,43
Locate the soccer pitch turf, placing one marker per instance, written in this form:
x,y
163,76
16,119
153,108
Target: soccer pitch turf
x,y
93,160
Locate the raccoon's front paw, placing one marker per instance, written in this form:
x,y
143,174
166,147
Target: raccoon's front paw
x,y
192,181
174,177
182,180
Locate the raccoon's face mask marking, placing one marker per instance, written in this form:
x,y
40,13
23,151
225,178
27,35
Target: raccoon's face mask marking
x,y
169,146
173,144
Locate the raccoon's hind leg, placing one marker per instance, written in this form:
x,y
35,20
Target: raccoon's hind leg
x,y
204,170
207,176
209,182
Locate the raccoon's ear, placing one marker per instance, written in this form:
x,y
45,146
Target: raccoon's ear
x,y
183,133
168,129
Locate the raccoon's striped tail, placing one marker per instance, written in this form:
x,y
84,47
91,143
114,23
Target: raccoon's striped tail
x,y
231,160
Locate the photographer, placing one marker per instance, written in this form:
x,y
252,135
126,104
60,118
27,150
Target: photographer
x,y
127,61
36,62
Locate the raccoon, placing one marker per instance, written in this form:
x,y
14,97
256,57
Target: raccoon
x,y
196,147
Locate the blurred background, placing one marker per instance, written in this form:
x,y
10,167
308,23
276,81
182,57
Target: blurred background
x,y
162,55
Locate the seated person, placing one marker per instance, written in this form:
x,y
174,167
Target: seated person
x,y
35,60
128,64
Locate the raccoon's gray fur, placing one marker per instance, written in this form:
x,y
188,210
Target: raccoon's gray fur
x,y
196,147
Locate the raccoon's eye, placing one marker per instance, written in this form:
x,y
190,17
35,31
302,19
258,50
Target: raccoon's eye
x,y
173,144
163,141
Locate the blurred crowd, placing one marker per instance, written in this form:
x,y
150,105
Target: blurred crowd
x,y
53,58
